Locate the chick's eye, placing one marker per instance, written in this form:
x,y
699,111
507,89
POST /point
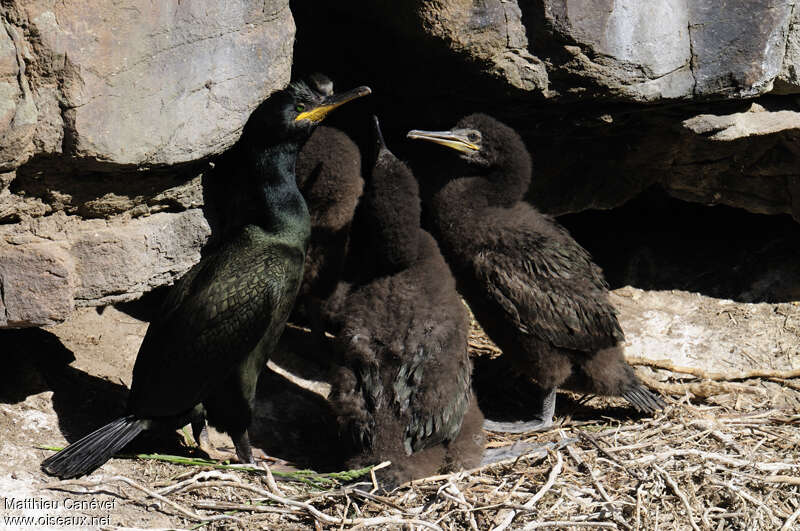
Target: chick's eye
x,y
473,137
300,107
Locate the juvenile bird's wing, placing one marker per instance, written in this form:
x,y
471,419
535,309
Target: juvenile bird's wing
x,y
213,318
434,399
416,387
546,284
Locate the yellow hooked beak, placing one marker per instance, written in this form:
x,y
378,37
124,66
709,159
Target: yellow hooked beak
x,y
318,113
446,138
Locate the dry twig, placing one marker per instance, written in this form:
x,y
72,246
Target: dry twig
x,y
93,486
750,456
787,525
715,376
679,493
551,479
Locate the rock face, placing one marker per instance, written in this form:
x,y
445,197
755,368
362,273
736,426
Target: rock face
x,y
50,265
749,159
106,110
490,34
711,334
109,112
738,154
128,84
609,95
634,50
666,49
599,49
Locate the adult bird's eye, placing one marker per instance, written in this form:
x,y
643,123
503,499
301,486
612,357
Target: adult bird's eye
x,y
300,107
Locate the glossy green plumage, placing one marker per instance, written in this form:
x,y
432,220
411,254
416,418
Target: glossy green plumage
x,y
204,351
230,306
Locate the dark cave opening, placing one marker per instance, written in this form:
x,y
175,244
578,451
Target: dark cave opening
x,y
656,242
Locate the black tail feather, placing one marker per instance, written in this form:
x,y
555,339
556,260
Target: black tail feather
x,y
90,452
643,399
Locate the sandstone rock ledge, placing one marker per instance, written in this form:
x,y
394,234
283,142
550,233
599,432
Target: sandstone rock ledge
x,y
107,112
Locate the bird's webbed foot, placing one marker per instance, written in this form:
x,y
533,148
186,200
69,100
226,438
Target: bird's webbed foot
x,y
520,448
512,451
200,434
244,452
204,445
542,422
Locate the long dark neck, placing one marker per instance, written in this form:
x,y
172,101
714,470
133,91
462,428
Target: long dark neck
x,y
501,183
511,175
506,180
392,205
465,192
279,207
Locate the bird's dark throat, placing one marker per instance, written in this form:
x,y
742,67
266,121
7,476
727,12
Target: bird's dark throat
x,y
279,206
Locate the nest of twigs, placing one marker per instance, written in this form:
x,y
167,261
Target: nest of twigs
x,y
693,467
730,465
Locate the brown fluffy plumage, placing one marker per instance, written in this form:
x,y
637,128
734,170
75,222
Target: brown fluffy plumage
x,y
404,390
532,287
329,177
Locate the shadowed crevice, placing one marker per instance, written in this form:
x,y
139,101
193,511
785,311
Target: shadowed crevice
x,y
655,242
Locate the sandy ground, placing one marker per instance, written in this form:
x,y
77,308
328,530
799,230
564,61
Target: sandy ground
x,y
60,383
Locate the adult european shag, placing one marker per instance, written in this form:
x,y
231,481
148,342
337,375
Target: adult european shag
x,y
404,391
203,353
534,289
